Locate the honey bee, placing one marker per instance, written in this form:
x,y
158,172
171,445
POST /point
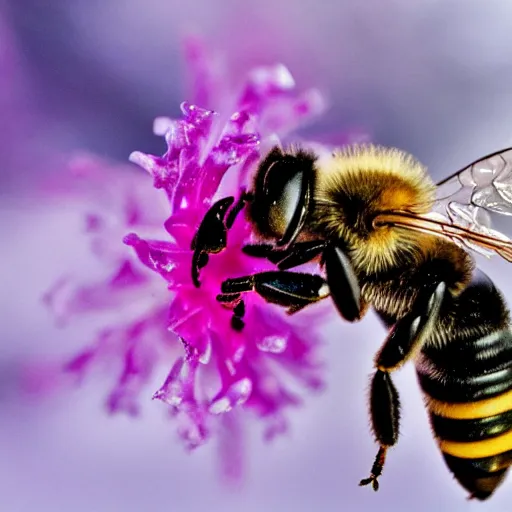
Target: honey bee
x,y
387,237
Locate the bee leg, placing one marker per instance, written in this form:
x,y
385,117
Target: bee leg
x,y
211,236
385,416
264,251
234,302
237,208
343,283
237,321
295,255
405,339
341,277
292,290
300,253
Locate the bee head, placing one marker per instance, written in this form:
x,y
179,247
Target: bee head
x,y
281,194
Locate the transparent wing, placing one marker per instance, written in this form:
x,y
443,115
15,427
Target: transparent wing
x,y
486,183
468,197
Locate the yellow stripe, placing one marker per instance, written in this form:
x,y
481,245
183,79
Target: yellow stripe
x,y
478,449
472,410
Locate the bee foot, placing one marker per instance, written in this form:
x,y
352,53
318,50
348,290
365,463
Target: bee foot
x,y
371,480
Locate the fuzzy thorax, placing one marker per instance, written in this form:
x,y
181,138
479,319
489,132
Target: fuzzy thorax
x,y
357,183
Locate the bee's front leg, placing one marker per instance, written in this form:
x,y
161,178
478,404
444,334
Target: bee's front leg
x,y
292,290
211,236
404,341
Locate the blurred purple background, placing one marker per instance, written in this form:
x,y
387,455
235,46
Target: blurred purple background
x,y
427,76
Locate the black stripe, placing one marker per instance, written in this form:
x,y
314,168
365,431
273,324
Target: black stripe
x,y
477,475
471,430
485,355
468,370
479,467
447,388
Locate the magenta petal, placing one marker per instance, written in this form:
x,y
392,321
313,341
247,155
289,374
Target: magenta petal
x,y
179,384
277,426
216,372
192,430
138,363
237,394
183,224
80,363
201,118
162,257
128,275
231,447
265,83
164,175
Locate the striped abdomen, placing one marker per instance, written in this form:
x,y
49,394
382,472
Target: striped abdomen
x,y
466,375
468,385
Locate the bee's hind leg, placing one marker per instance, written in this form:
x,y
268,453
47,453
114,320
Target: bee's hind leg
x,y
385,415
404,340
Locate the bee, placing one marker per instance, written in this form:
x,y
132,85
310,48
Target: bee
x,y
387,237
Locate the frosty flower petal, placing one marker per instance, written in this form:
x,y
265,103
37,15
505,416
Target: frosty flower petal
x,y
222,368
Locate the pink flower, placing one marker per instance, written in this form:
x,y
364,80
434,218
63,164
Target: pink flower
x,y
214,369
223,368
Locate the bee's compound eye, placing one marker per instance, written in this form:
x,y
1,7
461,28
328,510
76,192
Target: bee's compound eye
x,y
284,205
280,192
